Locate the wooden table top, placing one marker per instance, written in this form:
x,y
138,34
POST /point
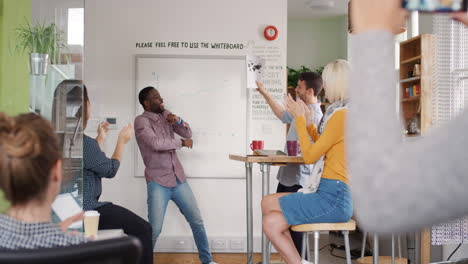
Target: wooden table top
x,y
267,159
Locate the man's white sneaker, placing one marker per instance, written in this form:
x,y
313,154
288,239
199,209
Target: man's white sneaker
x,y
306,262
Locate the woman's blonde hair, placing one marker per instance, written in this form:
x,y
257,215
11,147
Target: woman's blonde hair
x,y
335,80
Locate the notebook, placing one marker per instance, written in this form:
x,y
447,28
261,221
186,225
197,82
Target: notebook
x,y
266,152
66,206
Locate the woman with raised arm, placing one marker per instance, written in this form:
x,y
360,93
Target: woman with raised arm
x,y
331,201
98,166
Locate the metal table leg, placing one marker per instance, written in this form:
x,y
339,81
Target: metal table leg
x,y
265,169
363,248
316,247
347,249
305,238
399,246
376,249
248,193
417,247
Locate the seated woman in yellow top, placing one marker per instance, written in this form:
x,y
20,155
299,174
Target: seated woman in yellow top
x,y
331,201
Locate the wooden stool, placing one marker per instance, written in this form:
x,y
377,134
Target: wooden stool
x,y
316,228
382,260
376,259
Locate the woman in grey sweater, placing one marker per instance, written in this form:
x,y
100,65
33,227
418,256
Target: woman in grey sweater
x,y
397,186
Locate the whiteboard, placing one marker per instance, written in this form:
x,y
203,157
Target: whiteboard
x,y
209,93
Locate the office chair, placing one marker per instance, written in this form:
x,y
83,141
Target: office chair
x,y
123,250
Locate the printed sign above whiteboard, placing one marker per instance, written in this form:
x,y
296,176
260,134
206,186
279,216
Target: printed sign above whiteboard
x,y
209,93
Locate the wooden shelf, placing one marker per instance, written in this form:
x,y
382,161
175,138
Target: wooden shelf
x,y
420,50
412,79
411,40
411,99
411,60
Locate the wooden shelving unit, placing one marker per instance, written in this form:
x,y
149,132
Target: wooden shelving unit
x,y
411,99
416,84
411,79
325,102
418,50
410,60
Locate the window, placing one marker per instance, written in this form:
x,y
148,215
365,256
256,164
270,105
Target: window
x,y
76,26
450,98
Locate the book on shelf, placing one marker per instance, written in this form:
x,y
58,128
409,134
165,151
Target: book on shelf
x,y
411,91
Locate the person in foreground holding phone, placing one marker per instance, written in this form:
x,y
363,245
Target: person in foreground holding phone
x,y
331,202
426,177
31,176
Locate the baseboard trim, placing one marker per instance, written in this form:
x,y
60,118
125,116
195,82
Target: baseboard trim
x,y
222,258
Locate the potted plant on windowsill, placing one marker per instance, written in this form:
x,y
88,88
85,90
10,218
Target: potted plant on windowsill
x,y
293,77
43,44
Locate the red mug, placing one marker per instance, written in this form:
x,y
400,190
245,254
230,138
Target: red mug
x,y
256,144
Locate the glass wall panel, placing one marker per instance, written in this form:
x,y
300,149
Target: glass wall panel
x,y
56,89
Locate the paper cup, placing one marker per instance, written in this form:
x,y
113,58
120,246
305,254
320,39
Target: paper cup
x,y
91,223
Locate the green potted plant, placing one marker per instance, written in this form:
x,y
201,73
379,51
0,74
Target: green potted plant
x,y
293,74
293,77
42,42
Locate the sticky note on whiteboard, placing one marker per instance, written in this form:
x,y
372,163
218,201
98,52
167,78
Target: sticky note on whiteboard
x,y
255,68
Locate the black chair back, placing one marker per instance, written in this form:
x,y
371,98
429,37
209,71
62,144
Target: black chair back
x,y
124,250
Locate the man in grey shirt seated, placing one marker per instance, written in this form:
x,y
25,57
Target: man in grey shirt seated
x,y
292,177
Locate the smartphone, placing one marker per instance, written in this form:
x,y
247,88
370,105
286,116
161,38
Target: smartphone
x,y
435,6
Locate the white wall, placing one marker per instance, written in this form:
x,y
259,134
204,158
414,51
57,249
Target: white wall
x,y
314,42
112,29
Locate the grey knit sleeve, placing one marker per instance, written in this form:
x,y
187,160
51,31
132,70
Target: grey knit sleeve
x,y
398,185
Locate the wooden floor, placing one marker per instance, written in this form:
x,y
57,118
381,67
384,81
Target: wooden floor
x,y
221,258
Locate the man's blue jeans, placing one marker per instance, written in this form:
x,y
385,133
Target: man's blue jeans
x,y
182,195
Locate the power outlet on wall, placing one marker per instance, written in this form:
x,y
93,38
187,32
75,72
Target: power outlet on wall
x,y
183,244
236,244
218,244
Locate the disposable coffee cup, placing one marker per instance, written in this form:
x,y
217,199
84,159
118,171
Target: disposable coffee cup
x,y
91,223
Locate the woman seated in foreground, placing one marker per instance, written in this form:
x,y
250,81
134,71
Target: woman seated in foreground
x,y
31,176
